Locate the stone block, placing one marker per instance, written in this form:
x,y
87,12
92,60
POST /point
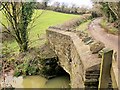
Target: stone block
x,y
96,47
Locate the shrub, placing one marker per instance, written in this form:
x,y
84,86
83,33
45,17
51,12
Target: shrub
x,y
28,67
109,28
75,22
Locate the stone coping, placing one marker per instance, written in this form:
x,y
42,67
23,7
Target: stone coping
x,y
88,59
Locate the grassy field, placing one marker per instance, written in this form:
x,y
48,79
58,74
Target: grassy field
x,y
48,18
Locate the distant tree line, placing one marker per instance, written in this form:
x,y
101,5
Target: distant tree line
x,y
62,7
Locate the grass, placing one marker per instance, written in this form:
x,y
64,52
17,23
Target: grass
x,y
83,26
48,18
108,28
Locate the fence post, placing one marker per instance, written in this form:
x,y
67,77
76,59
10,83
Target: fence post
x,y
114,82
105,69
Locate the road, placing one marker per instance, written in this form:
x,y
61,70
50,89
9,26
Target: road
x,y
110,41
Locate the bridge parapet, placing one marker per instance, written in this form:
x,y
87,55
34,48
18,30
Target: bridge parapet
x,y
74,56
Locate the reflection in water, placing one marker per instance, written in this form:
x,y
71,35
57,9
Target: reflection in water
x,y
34,82
39,82
58,82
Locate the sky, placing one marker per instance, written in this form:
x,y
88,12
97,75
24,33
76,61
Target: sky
x,y
86,3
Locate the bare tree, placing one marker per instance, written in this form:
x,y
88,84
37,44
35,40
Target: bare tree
x,y
18,15
63,7
45,3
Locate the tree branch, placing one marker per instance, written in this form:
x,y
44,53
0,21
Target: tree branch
x,y
109,5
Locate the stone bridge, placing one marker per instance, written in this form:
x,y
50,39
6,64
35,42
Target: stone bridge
x,y
75,58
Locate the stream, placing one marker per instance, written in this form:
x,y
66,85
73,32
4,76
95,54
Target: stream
x,y
38,82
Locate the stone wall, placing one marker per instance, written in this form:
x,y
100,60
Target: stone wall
x,y
74,56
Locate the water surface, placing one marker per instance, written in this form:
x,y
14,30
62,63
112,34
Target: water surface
x,y
39,82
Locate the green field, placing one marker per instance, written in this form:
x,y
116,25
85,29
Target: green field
x,y
48,18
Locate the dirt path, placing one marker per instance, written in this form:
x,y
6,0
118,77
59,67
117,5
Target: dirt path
x,y
98,33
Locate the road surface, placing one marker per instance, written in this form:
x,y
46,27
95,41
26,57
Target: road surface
x,y
110,41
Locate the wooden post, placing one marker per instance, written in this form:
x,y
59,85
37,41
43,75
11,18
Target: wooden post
x,y
105,69
114,82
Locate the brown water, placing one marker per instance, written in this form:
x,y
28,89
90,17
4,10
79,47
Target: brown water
x,y
39,82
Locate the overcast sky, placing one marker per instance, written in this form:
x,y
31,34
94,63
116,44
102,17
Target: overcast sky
x,y
79,3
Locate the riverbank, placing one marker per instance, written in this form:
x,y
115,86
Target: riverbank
x,y
40,61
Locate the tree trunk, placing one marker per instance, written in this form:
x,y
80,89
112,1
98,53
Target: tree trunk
x,y
23,47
